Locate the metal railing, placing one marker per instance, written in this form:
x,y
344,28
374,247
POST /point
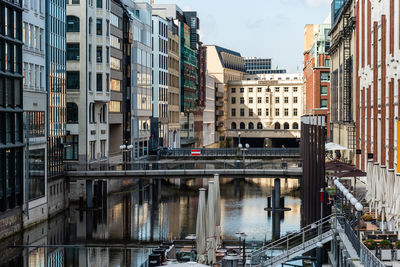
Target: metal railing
x,y
232,152
183,165
286,247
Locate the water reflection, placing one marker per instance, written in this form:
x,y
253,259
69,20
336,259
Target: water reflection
x,y
116,229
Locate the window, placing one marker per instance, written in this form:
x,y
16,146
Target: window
x,y
267,112
295,126
277,112
115,63
277,125
295,112
286,89
233,112
102,149
242,100
250,100
73,51
250,112
72,147
277,100
233,125
115,106
114,20
37,123
295,99
92,113
327,62
73,80
233,90
259,126
259,89
242,112
99,82
259,113
99,26
251,125
325,76
267,100
276,89
250,90
115,42
107,27
286,126
242,126
99,3
99,54
92,150
259,100
36,173
233,100
90,81
72,113
108,55
90,25
72,24
295,89
242,90
324,89
286,99
286,112
324,103
115,85
103,113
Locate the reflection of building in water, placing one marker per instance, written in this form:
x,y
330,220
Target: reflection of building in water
x,y
267,184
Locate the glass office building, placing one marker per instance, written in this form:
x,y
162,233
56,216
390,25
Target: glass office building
x,y
11,105
260,66
55,74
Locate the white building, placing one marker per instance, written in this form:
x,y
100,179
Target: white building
x,y
160,78
35,106
209,113
88,80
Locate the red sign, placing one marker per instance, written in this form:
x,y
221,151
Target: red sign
x,y
196,152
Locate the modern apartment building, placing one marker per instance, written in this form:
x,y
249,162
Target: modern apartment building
x,y
254,65
11,117
139,84
56,103
88,80
316,69
224,65
159,127
35,109
377,53
209,114
174,128
343,92
265,102
115,111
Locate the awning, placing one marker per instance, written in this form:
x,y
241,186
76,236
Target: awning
x,y
332,146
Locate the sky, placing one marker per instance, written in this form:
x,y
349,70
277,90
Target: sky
x,y
258,28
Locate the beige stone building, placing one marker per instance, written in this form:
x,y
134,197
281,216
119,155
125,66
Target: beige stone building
x,y
265,102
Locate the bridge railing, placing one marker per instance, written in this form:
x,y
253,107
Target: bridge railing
x,y
232,152
184,165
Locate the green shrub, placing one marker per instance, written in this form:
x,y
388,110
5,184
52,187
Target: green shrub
x,y
397,244
370,243
385,244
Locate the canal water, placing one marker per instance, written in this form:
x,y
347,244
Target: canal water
x,y
121,227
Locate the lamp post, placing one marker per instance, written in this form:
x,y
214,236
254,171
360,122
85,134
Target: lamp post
x,y
239,139
124,149
242,238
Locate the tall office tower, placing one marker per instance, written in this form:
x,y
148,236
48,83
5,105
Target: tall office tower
x,y
159,122
88,80
56,102
174,127
35,106
11,117
138,85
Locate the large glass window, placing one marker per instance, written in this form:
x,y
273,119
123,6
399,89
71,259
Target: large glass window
x,y
99,82
115,42
72,24
72,147
72,113
115,106
99,3
114,20
36,174
99,26
115,63
73,51
37,123
115,85
73,80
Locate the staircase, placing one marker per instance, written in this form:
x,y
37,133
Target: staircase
x,y
293,245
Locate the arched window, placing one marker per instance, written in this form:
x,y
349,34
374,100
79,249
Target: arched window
x,y
259,126
277,125
295,125
242,125
286,126
251,125
233,125
72,24
72,113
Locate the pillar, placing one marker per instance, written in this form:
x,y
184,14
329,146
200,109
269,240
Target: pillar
x,y
89,194
277,193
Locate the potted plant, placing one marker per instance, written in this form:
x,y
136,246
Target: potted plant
x,y
397,247
385,246
370,244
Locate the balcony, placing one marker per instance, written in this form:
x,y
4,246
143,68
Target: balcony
x,y
219,103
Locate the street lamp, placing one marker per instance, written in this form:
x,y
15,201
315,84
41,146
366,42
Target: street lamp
x,y
242,238
124,150
239,144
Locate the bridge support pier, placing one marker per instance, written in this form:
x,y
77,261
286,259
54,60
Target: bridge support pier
x,y
277,195
89,194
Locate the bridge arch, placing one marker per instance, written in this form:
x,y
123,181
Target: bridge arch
x,y
277,125
242,125
233,126
251,125
286,126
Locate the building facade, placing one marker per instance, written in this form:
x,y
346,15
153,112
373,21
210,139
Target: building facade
x,y
11,117
254,65
174,128
56,103
35,107
160,82
316,70
343,91
209,113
